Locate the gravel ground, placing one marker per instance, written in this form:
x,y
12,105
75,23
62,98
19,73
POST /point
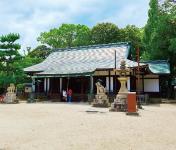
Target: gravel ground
x,y
61,126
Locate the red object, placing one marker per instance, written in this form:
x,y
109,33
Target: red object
x,y
1,98
131,102
69,92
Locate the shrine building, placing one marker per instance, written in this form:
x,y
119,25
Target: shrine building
x,y
79,68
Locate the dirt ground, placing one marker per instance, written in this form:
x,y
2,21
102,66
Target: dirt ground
x,y
61,126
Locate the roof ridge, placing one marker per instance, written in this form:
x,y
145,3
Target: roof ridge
x,y
91,46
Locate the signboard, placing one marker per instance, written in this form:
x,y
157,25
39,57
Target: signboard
x,y
28,89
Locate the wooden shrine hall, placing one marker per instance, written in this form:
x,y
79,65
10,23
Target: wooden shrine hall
x,y
79,68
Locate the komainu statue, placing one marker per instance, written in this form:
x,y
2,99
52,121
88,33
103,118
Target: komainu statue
x,y
11,88
11,94
101,99
100,88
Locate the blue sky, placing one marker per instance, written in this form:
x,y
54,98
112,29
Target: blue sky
x,y
29,18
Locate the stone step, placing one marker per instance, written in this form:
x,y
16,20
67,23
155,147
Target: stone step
x,y
168,101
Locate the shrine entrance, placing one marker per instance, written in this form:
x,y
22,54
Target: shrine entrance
x,y
79,85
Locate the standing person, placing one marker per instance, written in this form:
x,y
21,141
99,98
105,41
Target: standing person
x,y
1,98
64,95
69,95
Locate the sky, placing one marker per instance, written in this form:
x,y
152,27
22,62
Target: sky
x,y
31,17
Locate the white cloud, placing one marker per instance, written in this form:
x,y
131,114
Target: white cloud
x,y
30,18
133,13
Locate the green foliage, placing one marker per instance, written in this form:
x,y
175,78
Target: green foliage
x,y
145,55
27,61
20,87
109,33
6,79
40,52
70,35
134,35
104,33
151,24
67,35
8,56
12,63
161,37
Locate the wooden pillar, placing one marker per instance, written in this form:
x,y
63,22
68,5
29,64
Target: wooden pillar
x,y
33,84
143,83
45,85
48,84
115,84
60,84
82,86
91,84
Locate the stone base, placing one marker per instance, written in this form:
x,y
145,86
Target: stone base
x,y
105,105
101,100
120,103
10,98
132,113
118,109
16,102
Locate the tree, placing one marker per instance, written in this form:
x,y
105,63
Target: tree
x,y
153,15
67,35
40,51
104,33
160,31
164,37
20,76
9,53
132,34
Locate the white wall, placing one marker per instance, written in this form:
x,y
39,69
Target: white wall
x,y
107,84
151,85
128,84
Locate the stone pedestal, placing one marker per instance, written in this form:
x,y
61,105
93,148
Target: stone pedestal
x,y
120,102
101,99
10,98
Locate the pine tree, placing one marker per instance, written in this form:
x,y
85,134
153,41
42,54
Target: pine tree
x,y
8,55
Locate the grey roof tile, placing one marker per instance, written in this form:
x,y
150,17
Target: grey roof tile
x,y
83,60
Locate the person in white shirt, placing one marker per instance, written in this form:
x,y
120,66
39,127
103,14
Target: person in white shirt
x,y
64,94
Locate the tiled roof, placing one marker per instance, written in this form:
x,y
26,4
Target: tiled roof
x,y
158,66
83,60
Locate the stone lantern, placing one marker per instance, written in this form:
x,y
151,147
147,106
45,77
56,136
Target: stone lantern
x,y
120,101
